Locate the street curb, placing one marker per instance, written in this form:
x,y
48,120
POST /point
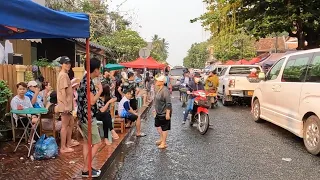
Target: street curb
x,y
117,151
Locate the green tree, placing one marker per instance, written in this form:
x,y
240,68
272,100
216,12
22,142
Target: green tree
x,y
233,46
159,48
228,41
102,21
262,18
197,55
125,44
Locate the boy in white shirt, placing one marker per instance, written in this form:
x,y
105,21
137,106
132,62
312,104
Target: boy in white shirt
x,y
125,111
20,102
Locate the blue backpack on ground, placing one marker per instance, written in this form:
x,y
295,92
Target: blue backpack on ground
x,y
46,148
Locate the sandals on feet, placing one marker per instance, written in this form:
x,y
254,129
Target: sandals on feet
x,y
115,137
67,150
161,146
141,135
158,142
73,143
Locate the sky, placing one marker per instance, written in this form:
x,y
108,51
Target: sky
x,y
170,19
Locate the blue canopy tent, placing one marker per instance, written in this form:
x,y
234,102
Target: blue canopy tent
x,y
24,19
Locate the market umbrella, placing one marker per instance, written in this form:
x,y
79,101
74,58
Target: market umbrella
x,y
113,67
229,62
242,61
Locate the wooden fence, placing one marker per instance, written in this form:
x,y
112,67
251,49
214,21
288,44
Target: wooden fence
x,y
8,73
49,74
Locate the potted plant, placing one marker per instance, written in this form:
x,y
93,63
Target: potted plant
x,y
5,94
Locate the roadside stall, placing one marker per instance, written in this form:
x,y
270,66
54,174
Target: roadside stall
x,y
24,19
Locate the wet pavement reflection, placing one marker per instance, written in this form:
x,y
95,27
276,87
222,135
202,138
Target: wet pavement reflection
x,y
235,147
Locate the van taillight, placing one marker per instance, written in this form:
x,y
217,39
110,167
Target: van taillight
x,y
232,83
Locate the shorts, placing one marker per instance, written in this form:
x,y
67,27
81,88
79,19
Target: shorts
x,y
134,104
160,121
130,117
94,131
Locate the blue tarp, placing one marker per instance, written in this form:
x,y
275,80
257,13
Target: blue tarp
x,y
41,22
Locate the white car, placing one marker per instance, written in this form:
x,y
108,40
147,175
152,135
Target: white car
x,y
289,96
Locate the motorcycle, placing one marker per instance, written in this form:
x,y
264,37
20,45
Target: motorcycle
x,y
201,117
183,94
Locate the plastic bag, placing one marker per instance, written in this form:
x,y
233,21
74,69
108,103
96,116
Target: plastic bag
x,y
46,148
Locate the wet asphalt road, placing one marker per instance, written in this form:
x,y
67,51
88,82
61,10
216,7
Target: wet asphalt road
x,y
235,147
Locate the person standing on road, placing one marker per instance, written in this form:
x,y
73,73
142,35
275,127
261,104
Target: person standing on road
x,y
163,110
65,105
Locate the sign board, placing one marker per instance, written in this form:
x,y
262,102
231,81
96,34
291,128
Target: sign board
x,y
144,53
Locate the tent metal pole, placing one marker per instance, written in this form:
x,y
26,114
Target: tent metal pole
x,y
89,106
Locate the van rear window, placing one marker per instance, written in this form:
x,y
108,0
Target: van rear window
x,y
242,70
176,72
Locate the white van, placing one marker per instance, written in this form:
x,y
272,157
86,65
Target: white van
x,y
289,96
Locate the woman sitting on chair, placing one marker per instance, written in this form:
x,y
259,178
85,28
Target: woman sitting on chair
x,y
52,114
103,114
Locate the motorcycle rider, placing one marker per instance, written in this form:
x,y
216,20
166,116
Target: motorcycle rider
x,y
194,85
185,79
168,83
212,82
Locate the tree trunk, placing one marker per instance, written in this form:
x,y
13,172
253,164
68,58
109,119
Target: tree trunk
x,y
300,35
301,41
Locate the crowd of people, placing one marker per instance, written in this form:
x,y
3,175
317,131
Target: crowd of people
x,y
69,103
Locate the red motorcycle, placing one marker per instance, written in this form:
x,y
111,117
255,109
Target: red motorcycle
x,y
201,114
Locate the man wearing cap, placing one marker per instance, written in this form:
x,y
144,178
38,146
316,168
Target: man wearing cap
x,y
33,94
65,105
163,110
194,85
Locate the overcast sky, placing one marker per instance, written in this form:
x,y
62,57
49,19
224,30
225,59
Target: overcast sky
x,y
167,18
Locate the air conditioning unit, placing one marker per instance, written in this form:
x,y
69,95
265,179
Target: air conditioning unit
x,y
15,58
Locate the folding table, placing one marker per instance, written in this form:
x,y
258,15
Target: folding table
x,y
26,112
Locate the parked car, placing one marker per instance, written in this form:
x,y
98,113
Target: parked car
x,y
289,96
235,83
176,74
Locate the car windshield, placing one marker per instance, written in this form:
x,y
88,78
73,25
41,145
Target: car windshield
x,y
176,72
242,70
